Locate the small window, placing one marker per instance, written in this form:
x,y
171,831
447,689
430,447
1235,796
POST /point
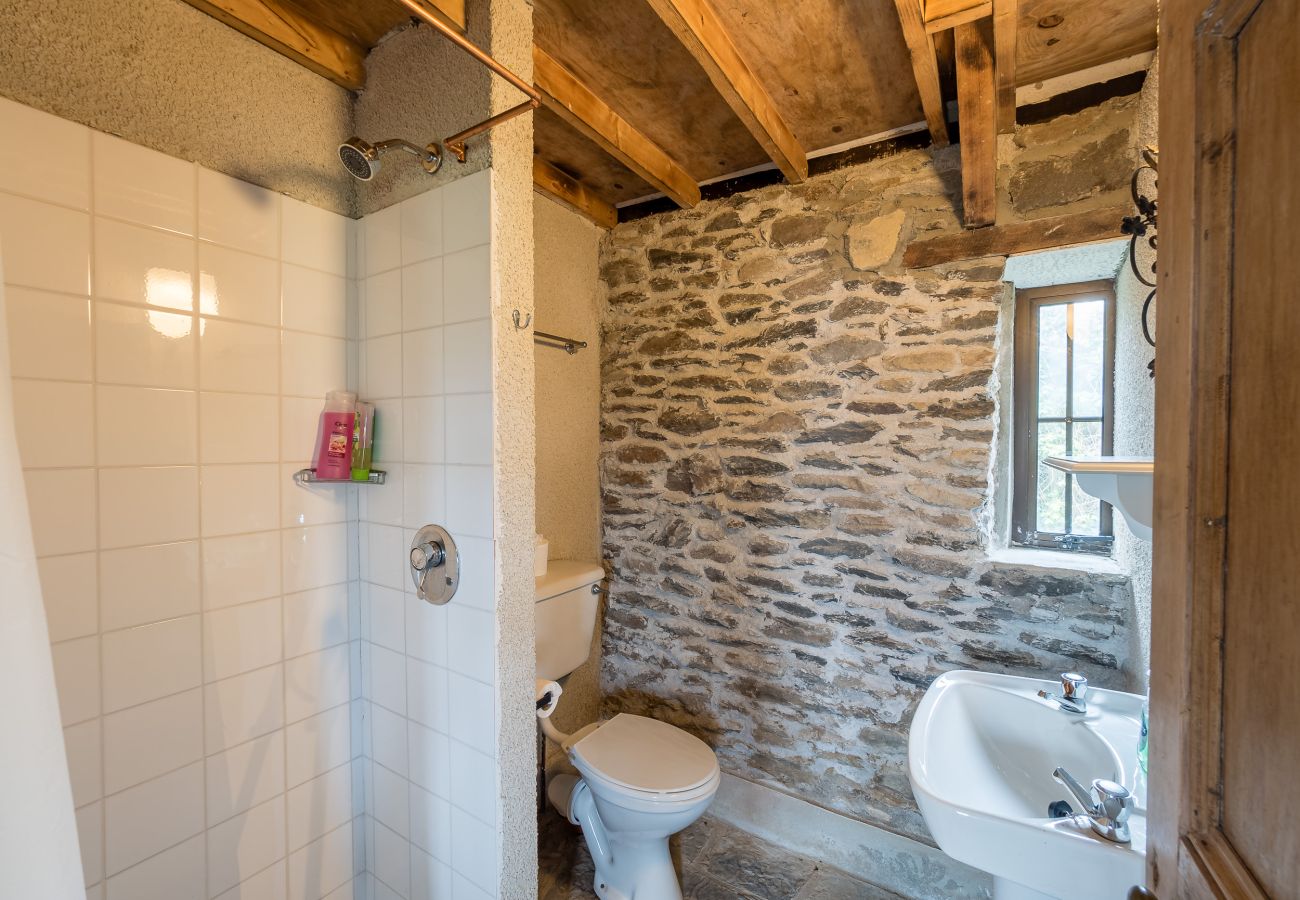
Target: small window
x,y
1064,361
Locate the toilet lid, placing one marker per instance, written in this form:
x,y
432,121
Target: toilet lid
x,y
645,755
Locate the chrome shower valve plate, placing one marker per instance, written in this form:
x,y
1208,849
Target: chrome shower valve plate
x,y
435,565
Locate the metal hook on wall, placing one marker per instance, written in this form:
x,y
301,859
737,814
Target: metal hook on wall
x,y
524,324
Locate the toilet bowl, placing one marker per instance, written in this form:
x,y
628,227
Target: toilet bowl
x,y
642,782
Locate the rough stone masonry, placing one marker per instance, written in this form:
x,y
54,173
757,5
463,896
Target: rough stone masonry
x,y
797,463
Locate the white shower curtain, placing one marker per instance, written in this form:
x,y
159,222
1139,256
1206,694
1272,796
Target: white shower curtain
x,y
39,856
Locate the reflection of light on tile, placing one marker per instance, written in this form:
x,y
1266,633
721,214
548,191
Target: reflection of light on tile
x,y
209,299
170,289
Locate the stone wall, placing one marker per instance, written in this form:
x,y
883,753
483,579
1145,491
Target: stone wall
x,y
797,464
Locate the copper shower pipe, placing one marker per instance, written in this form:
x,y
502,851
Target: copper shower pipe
x,y
456,143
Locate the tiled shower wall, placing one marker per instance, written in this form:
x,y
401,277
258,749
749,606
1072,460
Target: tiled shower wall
x,y
430,719
172,333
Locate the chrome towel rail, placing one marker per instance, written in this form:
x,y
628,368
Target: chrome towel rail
x,y
568,345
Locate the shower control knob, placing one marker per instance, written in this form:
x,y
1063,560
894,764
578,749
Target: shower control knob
x,y
435,565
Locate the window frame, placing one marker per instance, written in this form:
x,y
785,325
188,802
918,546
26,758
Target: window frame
x,y
1024,473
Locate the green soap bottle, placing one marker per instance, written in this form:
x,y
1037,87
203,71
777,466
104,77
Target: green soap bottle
x,y
363,442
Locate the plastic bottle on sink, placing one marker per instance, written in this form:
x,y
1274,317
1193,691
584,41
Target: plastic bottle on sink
x,y
334,436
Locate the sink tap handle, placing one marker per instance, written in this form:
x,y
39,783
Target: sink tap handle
x,y
1107,806
1074,686
1082,794
1115,800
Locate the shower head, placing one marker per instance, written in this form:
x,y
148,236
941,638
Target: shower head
x,y
361,158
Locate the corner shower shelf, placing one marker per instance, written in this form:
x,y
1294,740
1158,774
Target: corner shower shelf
x,y
308,476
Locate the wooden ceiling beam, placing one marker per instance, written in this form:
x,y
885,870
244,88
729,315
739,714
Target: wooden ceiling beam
x,y
1004,62
1020,237
287,31
696,24
925,69
940,15
977,119
574,102
572,193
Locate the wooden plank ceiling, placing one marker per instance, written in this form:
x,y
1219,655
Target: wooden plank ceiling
x,y
656,96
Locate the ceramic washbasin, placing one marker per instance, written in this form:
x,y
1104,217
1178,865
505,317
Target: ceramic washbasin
x,y
981,753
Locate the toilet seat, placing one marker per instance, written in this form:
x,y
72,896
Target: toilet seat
x,y
645,759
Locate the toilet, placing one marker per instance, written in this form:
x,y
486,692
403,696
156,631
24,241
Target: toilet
x,y
642,780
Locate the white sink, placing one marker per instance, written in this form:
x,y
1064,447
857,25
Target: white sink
x,y
981,753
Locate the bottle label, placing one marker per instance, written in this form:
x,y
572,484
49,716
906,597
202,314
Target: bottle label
x,y
338,446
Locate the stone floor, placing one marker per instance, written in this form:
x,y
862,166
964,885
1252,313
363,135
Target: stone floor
x,y
716,861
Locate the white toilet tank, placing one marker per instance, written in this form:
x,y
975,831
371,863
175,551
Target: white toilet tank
x,y
566,616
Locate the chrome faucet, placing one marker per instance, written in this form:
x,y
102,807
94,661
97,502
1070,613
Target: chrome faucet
x,y
1107,805
1074,690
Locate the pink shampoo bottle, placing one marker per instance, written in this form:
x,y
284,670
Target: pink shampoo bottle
x,y
334,437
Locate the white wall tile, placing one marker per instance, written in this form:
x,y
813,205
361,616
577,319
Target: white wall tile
x,y
90,835
70,588
472,650
387,671
317,744
388,558
313,504
237,499
474,850
467,361
425,500
299,420
268,884
85,762
152,816
464,889
244,776
314,301
472,706
467,284
469,429
174,874
315,620
61,505
49,335
143,346
314,237
314,557
428,700
381,237
148,505
76,677
316,682
389,739
431,823
386,617
312,365
321,866
426,631
477,573
238,285
59,170
45,246
55,423
392,859
147,584
430,760
430,877
381,304
473,782
238,357
146,426
391,803
469,500
241,638
467,212
382,374
424,429
245,845
422,295
140,265
238,214
151,661
421,227
152,739
422,362
319,806
238,428
242,708
143,185
240,568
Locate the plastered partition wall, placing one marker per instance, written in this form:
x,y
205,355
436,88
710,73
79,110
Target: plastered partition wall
x,y
429,672
172,332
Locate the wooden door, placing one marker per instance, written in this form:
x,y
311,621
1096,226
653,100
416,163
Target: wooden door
x,y
1225,740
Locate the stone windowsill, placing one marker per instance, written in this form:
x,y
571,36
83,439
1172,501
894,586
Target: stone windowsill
x,y
1059,560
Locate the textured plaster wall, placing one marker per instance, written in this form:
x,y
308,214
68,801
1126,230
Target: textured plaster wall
x,y
421,87
797,468
511,149
569,302
164,75
1135,395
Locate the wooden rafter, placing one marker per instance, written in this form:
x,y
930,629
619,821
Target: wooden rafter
x,y
925,69
977,118
573,101
572,193
1004,62
702,33
940,15
1020,237
284,29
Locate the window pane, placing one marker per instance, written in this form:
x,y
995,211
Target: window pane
x,y
1051,482
1051,361
1086,511
1089,357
